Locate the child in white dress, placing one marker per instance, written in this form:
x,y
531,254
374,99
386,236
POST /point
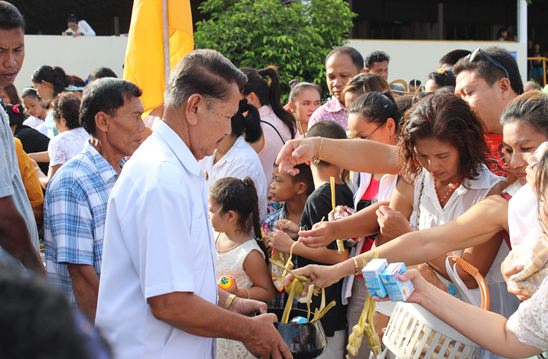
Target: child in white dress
x,y
234,213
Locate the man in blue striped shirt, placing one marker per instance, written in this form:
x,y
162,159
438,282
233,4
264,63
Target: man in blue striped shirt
x,y
76,198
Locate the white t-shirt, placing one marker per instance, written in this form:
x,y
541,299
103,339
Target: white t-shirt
x,y
240,161
523,215
66,145
158,240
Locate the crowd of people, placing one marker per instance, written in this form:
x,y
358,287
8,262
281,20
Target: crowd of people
x,y
134,221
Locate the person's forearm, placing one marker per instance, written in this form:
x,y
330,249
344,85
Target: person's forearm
x,y
320,255
485,328
15,239
194,315
85,286
256,292
360,155
41,157
361,223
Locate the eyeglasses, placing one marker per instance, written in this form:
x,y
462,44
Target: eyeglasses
x,y
375,130
474,56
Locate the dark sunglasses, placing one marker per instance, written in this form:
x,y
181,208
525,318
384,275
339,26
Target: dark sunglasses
x,y
474,56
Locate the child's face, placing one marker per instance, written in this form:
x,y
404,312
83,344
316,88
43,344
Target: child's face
x,y
216,216
282,187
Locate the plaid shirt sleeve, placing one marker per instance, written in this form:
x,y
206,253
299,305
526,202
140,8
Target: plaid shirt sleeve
x,y
70,224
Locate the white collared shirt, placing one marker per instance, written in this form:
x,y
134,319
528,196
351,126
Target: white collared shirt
x,y
240,161
158,240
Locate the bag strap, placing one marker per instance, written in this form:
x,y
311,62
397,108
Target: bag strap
x,y
275,129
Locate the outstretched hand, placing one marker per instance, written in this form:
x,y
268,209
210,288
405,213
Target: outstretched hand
x,y
321,276
295,152
319,236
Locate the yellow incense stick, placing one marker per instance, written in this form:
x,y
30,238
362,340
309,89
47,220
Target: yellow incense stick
x,y
340,242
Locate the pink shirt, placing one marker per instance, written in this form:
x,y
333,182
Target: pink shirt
x,y
332,110
272,141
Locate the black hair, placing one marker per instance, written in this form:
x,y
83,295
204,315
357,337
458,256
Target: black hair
x,y
376,56
377,108
67,106
10,17
442,77
104,95
327,129
415,83
53,75
362,83
355,56
247,121
204,72
531,108
452,57
491,73
72,18
30,92
11,91
304,176
16,114
100,73
240,196
37,320
265,84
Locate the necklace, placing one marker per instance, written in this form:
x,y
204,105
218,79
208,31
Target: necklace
x,y
447,194
300,127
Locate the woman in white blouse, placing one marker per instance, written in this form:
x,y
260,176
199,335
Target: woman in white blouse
x,y
234,156
72,137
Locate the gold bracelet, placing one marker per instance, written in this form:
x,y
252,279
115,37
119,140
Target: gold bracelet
x,y
356,266
228,301
317,159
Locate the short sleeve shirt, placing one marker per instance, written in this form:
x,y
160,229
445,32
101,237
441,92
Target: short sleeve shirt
x,y
158,240
66,145
11,183
74,215
332,110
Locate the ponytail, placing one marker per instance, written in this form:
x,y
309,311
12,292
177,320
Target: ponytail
x,y
254,219
265,84
56,76
248,124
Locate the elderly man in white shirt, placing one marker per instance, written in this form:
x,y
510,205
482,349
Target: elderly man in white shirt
x,y
158,294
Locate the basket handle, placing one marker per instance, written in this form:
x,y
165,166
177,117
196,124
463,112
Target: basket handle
x,y
474,272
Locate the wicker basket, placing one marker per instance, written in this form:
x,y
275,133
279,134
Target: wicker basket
x,y
415,333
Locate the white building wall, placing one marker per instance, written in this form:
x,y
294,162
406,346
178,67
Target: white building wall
x,y
410,59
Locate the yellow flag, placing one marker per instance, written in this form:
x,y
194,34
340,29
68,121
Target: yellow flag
x,y
144,63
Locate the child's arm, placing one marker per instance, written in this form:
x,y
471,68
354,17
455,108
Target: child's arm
x,y
256,269
282,242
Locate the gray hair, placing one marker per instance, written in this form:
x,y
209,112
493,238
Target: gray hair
x,y
204,72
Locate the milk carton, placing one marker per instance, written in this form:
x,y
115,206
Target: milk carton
x,y
371,275
397,290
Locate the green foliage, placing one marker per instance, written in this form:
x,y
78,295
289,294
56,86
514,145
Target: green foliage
x,y
295,37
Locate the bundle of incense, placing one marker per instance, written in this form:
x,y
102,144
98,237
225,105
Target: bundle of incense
x,y
340,242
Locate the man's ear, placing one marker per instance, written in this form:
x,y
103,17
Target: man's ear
x,y
101,121
194,105
506,88
301,188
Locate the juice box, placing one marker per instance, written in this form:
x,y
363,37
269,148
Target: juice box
x,y
397,290
371,274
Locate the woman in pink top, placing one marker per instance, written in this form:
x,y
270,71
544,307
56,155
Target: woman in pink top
x,y
263,91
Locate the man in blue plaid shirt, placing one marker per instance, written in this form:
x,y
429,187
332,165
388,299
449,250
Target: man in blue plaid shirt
x,y
76,198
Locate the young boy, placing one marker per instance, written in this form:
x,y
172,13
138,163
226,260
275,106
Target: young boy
x,y
318,206
292,192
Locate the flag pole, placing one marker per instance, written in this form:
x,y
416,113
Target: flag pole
x,y
165,38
